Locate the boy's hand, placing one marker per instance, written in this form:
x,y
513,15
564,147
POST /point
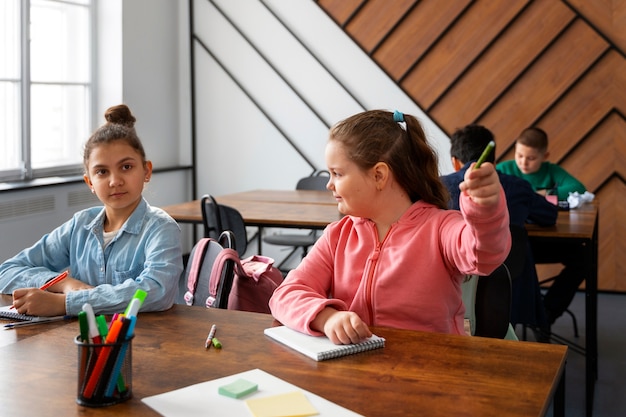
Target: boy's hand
x,y
482,185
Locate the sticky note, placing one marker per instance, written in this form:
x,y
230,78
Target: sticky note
x,y
237,389
292,404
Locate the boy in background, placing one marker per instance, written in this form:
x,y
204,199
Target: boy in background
x,y
531,163
531,154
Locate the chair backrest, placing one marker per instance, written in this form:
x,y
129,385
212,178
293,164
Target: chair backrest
x,y
202,257
217,218
516,259
315,181
492,306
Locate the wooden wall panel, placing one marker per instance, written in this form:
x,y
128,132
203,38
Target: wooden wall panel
x,y
412,37
559,65
490,76
578,112
544,82
611,266
454,53
608,16
602,151
375,20
341,10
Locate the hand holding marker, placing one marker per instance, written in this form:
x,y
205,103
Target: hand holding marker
x,y
50,283
485,154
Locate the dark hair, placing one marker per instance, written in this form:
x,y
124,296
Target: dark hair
x,y
534,137
373,136
119,126
469,142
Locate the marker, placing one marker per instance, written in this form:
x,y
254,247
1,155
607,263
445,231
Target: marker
x,y
83,326
485,154
50,283
139,295
103,329
117,379
90,387
210,337
133,308
94,334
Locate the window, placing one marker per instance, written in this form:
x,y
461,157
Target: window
x,y
46,90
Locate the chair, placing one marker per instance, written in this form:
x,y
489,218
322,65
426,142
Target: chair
x,y
493,304
208,257
567,310
527,304
487,302
217,218
316,181
516,259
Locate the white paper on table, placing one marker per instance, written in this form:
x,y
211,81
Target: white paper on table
x,y
203,399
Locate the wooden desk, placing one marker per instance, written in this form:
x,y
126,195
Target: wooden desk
x,y
577,230
425,373
305,209
269,208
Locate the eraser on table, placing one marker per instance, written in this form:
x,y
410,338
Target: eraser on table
x,y
216,343
237,389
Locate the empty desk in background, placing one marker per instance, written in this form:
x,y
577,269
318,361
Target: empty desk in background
x,y
305,209
577,230
416,373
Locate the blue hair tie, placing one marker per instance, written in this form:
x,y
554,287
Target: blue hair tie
x,y
398,116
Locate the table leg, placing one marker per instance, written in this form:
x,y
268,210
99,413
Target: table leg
x,y
558,405
591,319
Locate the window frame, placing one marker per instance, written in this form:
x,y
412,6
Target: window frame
x,y
26,173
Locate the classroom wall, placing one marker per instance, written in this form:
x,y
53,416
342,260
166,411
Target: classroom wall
x,y
271,77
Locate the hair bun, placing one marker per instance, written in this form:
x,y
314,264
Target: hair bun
x,y
120,114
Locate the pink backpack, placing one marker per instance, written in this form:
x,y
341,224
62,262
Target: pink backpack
x,y
248,288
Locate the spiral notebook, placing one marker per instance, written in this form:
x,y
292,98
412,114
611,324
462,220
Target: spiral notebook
x,y
8,313
320,348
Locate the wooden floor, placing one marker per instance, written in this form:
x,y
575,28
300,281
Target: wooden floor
x,y
610,396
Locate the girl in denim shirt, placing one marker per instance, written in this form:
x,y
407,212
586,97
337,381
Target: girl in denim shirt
x,y
109,252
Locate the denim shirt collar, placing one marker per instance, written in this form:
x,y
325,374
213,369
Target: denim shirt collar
x,y
132,225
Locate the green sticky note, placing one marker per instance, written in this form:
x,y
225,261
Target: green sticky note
x,y
237,389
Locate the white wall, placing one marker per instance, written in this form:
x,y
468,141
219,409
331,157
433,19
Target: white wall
x,y
273,72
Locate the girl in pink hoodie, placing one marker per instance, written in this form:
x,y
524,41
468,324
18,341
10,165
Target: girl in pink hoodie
x,y
398,257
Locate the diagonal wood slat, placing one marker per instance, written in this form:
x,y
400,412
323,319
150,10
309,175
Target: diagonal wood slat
x,y
463,43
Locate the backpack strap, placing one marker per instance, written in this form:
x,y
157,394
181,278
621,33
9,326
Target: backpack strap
x,y
194,270
225,255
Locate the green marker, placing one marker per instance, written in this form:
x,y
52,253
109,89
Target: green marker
x,y
485,154
133,307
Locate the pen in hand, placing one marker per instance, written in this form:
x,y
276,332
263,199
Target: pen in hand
x,y
485,154
53,281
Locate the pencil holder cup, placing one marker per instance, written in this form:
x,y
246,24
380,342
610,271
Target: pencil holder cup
x,y
104,372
